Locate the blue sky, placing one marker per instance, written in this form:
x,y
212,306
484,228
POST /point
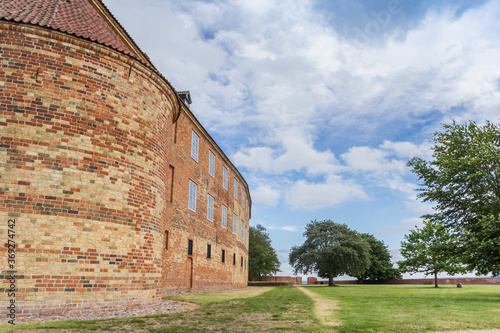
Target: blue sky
x,y
320,103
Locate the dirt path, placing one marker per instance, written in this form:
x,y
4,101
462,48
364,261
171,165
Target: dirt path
x,y
323,308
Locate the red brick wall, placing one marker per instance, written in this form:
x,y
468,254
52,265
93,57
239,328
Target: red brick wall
x,y
292,279
87,145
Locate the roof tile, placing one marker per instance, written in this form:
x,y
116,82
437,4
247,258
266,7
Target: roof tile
x,y
77,17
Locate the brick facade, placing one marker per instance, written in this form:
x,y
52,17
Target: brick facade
x,y
94,168
290,279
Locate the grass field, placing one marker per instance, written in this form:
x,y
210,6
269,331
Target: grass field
x,y
354,308
412,308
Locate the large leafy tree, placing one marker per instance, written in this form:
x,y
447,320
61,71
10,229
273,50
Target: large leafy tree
x,y
330,249
381,267
262,259
431,250
463,181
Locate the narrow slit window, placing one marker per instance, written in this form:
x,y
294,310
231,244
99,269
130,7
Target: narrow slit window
x,y
190,247
209,251
172,169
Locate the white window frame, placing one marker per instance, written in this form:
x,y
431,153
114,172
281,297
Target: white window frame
x,y
235,188
242,230
224,176
192,195
211,163
224,216
235,223
195,145
210,208
243,197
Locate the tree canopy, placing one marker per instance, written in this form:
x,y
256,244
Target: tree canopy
x,y
431,250
381,267
463,181
330,249
262,259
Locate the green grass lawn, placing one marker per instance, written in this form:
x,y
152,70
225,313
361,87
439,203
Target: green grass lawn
x,y
361,308
412,308
277,310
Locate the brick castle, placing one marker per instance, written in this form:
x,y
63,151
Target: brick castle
x,y
112,193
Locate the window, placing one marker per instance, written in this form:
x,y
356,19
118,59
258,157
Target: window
x,y
192,196
211,163
235,189
235,221
175,132
243,197
234,259
224,216
190,247
171,183
209,251
242,230
241,261
195,142
166,240
210,208
223,255
224,177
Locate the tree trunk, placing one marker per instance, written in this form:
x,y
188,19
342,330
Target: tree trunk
x,y
435,279
330,280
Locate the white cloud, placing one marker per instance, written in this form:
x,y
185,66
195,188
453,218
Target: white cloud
x,y
268,75
266,195
408,150
292,228
312,196
405,225
295,153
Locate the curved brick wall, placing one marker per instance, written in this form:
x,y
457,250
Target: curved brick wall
x,y
84,135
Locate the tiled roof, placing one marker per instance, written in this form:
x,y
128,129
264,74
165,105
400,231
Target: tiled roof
x,y
76,17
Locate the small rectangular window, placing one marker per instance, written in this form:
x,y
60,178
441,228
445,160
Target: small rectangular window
x,y
166,240
172,169
234,259
192,196
224,216
175,132
242,230
195,143
210,208
223,255
243,197
241,261
224,177
209,251
235,222
190,247
211,163
235,189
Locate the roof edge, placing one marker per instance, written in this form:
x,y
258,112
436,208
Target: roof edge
x,y
113,23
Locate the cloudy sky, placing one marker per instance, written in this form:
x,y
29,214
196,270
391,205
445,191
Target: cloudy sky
x,y
320,103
